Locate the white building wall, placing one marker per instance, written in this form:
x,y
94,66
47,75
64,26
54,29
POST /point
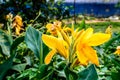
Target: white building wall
x,y
93,1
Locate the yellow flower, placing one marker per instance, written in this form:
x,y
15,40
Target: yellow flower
x,y
108,30
118,50
58,45
9,16
52,28
77,46
17,24
85,52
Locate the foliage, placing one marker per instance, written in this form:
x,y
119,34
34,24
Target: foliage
x,y
46,10
37,53
7,64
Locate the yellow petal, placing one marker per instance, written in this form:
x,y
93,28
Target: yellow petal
x,y
62,48
48,26
76,37
117,51
98,38
17,30
109,30
88,33
63,44
49,56
85,35
58,24
18,20
56,43
77,33
82,58
90,53
59,35
50,41
66,38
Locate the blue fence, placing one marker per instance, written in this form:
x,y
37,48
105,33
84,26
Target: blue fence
x,y
96,9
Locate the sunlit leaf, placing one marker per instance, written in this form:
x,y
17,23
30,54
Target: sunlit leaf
x,y
34,42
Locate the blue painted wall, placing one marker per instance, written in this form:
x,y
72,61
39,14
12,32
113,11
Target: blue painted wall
x,y
96,9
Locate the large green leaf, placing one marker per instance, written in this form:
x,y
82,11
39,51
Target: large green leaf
x,y
88,74
6,66
34,42
5,43
8,63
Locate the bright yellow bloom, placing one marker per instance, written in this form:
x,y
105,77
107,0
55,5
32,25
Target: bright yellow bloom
x,y
17,24
75,46
118,50
87,39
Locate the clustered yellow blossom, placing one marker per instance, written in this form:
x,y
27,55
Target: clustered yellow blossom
x,y
109,30
52,28
117,50
17,24
73,44
9,16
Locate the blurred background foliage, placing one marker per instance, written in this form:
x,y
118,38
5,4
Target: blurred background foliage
x,y
22,60
45,10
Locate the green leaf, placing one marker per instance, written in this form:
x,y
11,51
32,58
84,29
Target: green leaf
x,y
28,74
6,66
34,42
19,67
82,24
5,43
70,75
116,75
45,71
28,60
8,63
88,74
111,41
45,50
17,41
